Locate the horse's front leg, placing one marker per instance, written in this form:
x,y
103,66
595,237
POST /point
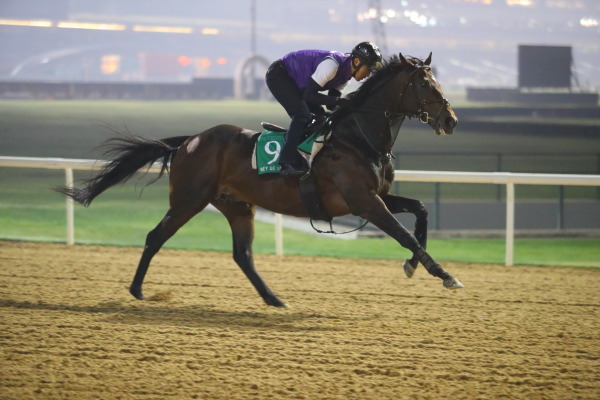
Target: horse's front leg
x,y
396,205
373,208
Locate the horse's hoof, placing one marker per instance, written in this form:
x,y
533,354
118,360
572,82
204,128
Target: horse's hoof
x,y
275,302
136,292
452,283
409,268
279,304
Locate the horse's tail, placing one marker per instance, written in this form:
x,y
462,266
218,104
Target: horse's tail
x,y
129,154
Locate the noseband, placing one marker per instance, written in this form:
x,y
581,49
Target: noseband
x,y
396,117
424,115
420,113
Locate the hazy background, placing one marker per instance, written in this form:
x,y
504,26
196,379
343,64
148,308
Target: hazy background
x,y
56,52
474,41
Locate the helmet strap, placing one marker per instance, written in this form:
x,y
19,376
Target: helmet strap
x,y
357,67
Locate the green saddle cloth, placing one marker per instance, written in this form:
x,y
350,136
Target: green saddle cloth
x,y
268,148
307,145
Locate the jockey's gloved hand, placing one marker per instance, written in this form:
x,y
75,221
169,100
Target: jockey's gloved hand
x,y
333,96
344,103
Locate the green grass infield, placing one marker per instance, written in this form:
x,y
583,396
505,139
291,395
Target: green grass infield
x,y
123,215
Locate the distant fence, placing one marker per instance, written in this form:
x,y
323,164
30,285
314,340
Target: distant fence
x,y
500,178
489,161
199,88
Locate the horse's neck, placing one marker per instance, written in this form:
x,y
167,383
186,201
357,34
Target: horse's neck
x,y
376,123
396,97
368,133
392,99
371,128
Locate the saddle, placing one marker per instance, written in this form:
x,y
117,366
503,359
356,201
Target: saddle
x,y
265,157
272,127
270,142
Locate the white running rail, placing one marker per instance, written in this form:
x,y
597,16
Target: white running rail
x,y
500,178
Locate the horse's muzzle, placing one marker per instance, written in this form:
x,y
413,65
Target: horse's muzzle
x,y
449,124
445,126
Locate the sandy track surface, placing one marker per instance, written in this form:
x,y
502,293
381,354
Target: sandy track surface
x,y
356,329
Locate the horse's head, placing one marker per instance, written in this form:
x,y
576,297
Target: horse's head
x,y
425,93
403,87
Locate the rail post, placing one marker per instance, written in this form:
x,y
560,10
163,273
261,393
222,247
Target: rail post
x,y
278,234
436,206
510,224
560,218
70,208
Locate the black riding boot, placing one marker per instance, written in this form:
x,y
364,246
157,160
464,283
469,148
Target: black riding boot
x,y
290,160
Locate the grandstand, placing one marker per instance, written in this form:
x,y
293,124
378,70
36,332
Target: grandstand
x,y
474,42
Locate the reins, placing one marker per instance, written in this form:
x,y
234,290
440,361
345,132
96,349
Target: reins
x,y
391,116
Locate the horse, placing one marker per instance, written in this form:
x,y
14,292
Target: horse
x,y
353,172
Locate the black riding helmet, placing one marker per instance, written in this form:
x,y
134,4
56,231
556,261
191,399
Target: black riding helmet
x,y
369,54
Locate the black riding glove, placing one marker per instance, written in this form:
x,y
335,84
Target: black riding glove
x,y
312,95
343,102
335,95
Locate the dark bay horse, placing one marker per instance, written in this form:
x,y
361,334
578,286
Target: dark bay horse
x,y
353,172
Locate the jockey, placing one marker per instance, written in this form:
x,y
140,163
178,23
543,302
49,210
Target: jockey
x,y
296,81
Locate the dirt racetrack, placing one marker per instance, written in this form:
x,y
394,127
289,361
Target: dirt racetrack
x,y
356,329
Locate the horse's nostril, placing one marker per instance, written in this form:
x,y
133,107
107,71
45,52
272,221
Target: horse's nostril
x,y
451,122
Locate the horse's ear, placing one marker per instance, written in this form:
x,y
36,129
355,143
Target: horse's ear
x,y
402,59
428,61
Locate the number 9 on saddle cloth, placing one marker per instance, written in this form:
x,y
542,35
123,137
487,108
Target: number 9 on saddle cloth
x,y
265,158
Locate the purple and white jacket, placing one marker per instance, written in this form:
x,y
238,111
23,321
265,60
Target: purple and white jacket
x,y
301,65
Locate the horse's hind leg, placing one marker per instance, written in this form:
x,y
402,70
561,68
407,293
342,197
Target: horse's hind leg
x,y
397,204
174,219
241,220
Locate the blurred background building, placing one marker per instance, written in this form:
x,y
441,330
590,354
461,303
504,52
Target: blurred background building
x,y
474,42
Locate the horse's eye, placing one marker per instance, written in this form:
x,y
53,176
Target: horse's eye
x,y
425,84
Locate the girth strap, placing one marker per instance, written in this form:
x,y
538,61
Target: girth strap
x,y
311,199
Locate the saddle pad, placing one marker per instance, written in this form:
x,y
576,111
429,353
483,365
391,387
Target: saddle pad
x,y
312,144
268,147
265,158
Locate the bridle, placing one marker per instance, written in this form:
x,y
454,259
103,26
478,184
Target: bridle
x,y
396,118
419,112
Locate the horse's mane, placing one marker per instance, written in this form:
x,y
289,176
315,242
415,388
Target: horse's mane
x,y
390,67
